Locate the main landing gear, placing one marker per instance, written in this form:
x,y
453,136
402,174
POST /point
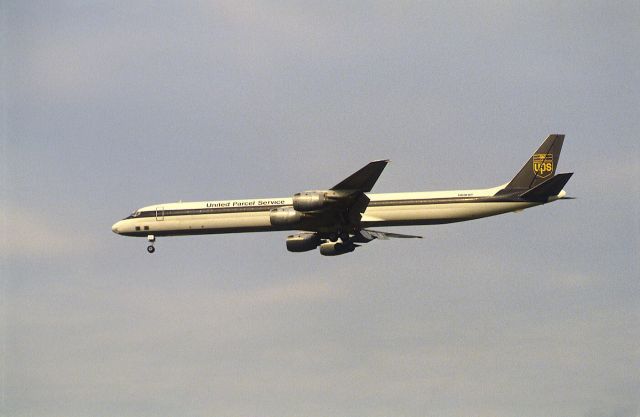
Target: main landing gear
x,y
151,239
339,234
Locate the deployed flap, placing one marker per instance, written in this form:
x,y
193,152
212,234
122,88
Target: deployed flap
x,y
373,234
363,179
548,188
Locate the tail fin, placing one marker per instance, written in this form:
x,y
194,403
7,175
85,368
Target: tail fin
x,y
540,167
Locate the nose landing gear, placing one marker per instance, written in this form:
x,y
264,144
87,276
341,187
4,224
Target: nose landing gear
x,y
151,239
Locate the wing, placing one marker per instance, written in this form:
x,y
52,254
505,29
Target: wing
x,y
340,247
364,179
335,215
349,200
366,235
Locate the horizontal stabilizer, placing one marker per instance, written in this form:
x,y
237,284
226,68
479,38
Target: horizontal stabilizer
x,y
548,188
364,179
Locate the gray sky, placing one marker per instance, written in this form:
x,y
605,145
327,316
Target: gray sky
x,y
108,107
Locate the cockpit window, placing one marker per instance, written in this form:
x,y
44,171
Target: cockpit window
x,y
134,215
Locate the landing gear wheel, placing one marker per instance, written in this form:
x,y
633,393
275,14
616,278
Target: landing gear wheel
x,y
151,239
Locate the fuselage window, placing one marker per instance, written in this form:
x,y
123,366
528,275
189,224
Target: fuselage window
x,y
146,228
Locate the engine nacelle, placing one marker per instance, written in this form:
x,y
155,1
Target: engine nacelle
x,y
284,216
303,242
314,200
336,248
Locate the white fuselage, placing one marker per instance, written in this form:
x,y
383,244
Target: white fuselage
x,y
253,215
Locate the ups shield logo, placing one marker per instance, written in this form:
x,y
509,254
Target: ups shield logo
x,y
543,164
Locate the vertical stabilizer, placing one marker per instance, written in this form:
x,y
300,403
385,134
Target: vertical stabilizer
x,y
540,167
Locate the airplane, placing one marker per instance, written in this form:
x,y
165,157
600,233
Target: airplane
x,y
338,220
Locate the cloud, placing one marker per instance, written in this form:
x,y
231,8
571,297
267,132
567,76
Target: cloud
x,y
303,347
29,234
202,331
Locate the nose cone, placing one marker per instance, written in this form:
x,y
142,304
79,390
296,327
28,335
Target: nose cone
x,y
114,228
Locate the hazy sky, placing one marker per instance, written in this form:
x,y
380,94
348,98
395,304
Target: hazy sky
x,y
110,106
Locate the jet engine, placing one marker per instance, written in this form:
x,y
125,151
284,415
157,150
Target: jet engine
x,y
303,242
314,200
285,216
336,248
